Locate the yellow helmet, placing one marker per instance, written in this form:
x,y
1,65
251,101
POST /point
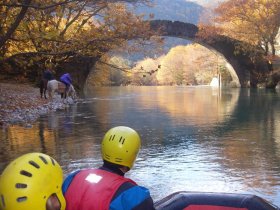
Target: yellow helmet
x,y
121,145
30,182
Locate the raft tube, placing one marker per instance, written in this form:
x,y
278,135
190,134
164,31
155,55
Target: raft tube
x,y
213,201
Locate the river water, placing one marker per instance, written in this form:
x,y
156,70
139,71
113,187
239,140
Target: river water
x,y
193,138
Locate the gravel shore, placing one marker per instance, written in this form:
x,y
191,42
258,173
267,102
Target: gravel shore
x,y
22,104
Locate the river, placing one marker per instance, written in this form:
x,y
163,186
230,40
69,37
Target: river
x,y
193,138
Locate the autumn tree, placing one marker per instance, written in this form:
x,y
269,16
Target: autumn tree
x,y
145,71
72,29
112,71
182,65
255,22
58,30
13,12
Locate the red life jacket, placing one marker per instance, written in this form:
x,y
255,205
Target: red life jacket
x,y
93,189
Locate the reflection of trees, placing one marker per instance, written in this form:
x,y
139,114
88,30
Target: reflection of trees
x,y
253,151
42,136
257,112
183,105
20,140
201,105
59,134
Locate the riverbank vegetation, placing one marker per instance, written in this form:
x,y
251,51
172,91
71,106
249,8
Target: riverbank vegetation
x,y
255,24
40,34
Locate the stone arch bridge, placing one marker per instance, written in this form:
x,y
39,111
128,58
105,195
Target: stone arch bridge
x,y
242,66
242,69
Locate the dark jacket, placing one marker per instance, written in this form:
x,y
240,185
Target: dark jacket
x,y
47,75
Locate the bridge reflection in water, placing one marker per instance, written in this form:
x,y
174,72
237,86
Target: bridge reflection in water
x,y
194,139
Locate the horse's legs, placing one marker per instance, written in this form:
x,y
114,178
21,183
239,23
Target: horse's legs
x,y
45,90
64,93
67,91
45,87
50,94
41,88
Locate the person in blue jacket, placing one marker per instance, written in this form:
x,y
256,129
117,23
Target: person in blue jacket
x,y
67,80
106,187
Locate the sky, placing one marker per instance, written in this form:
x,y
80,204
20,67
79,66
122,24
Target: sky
x,y
206,2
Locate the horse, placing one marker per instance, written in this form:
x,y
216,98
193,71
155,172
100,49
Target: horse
x,y
43,88
55,86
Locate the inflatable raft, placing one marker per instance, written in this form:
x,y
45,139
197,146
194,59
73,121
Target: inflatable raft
x,y
213,201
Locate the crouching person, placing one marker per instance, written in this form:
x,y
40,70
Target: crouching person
x,y
32,182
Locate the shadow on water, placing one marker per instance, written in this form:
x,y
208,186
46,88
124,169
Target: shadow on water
x,y
194,139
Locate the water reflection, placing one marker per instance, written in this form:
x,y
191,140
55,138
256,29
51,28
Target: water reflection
x,y
197,139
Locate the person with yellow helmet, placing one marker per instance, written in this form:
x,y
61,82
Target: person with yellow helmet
x,y
106,187
32,182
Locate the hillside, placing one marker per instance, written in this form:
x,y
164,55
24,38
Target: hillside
x,y
180,10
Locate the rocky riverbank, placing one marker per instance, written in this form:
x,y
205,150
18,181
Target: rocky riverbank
x,y
22,104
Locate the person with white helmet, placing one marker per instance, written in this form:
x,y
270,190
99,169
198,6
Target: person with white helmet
x,y
106,187
32,182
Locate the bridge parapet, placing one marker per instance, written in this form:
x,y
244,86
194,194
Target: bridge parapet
x,y
175,28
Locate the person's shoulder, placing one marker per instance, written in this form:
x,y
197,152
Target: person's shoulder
x,y
67,181
133,196
133,189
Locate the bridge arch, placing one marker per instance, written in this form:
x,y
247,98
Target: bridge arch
x,y
241,68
